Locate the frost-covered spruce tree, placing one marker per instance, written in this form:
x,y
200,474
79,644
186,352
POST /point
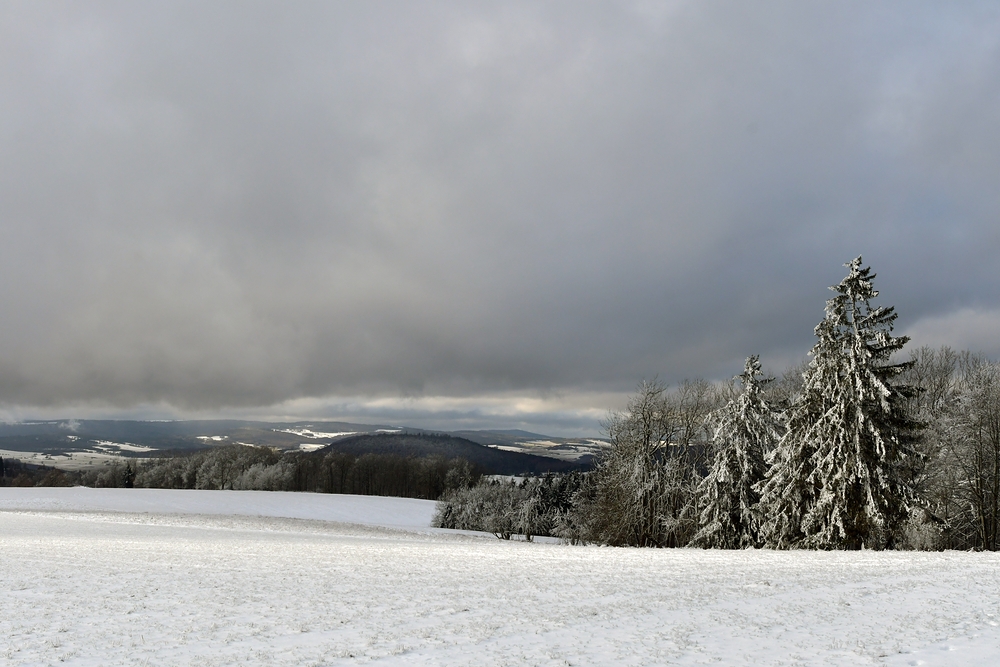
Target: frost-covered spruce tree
x,y
837,478
745,430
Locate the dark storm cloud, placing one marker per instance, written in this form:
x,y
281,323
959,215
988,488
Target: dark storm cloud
x,y
237,204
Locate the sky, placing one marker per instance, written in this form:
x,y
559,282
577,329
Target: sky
x,y
476,215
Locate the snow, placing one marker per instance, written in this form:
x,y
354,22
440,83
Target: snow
x,y
78,460
306,433
563,451
406,513
116,576
123,446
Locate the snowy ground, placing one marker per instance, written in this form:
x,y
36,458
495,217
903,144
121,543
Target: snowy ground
x,y
82,460
404,513
129,576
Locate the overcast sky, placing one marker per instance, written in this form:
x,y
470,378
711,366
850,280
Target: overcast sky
x,y
476,214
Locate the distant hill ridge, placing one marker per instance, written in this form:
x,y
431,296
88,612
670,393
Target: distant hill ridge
x,y
491,460
55,442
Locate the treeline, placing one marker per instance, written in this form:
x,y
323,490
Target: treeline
x,y
242,467
13,472
855,449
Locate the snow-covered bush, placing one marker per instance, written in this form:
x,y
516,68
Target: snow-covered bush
x,y
263,477
532,507
644,484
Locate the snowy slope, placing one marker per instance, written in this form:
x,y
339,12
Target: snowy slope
x,y
93,586
364,510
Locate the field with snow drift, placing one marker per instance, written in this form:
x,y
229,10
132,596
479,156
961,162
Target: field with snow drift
x,y
134,576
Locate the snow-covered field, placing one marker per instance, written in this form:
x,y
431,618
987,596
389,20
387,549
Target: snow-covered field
x,y
82,460
218,578
405,513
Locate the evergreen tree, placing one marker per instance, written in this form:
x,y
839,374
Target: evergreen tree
x,y
838,478
745,429
128,476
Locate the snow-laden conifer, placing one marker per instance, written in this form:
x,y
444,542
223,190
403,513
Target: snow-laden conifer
x,y
746,429
837,479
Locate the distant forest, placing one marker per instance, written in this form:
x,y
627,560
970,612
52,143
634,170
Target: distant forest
x,y
242,467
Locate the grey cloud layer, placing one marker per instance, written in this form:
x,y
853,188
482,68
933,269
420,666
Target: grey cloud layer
x,y
239,204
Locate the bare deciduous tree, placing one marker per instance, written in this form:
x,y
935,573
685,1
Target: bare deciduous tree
x,y
976,450
642,488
